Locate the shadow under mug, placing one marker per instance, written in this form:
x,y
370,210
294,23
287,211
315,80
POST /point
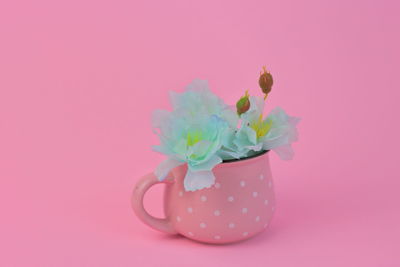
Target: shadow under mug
x,y
238,206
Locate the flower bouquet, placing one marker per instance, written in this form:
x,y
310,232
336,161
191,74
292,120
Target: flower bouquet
x,y
207,143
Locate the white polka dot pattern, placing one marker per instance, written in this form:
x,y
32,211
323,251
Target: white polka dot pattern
x,y
225,220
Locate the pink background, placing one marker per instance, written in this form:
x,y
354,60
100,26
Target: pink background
x,y
78,82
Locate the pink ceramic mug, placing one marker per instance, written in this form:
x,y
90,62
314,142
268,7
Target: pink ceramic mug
x,y
238,206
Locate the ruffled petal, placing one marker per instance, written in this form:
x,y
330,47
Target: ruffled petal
x,y
197,85
256,104
165,167
207,165
245,137
282,134
226,154
196,180
230,115
285,152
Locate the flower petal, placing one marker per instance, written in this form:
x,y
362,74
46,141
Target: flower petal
x,y
285,152
207,165
196,180
282,133
165,167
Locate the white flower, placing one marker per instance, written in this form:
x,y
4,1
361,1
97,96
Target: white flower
x,y
193,133
276,132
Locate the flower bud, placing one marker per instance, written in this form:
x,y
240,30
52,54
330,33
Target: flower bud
x,y
265,81
243,104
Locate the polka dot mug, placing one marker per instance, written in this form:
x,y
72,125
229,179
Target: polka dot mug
x,y
238,206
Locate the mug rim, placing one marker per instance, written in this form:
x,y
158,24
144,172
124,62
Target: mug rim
x,y
246,158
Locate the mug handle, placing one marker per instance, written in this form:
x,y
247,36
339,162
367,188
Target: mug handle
x,y
141,187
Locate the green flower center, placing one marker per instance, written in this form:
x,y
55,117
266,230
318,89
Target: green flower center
x,y
193,137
